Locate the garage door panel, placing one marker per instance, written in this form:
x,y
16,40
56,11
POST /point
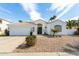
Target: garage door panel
x,y
20,31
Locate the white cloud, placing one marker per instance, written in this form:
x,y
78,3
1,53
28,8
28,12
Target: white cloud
x,y
65,11
3,10
60,6
31,10
74,18
38,1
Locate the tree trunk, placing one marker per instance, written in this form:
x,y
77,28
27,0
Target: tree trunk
x,y
53,34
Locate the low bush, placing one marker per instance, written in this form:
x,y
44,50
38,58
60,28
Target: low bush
x,y
30,40
77,29
34,36
76,32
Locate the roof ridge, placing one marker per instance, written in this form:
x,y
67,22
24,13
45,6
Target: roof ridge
x,y
5,20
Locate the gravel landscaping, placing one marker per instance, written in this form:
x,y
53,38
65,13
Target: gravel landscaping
x,y
49,44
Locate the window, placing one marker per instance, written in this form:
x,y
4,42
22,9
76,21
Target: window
x,y
39,28
58,27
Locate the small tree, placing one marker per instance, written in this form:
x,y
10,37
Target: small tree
x,y
54,31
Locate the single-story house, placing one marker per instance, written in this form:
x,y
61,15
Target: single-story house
x,y
3,26
37,27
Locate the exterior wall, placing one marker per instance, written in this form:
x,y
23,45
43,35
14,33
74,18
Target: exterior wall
x,y
58,22
22,29
3,26
44,24
5,22
70,31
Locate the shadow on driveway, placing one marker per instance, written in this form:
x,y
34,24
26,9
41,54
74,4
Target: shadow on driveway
x,y
71,49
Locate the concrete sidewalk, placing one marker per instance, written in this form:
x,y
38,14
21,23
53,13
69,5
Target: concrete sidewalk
x,y
38,54
8,44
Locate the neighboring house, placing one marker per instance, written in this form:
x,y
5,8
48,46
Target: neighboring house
x,y
38,27
3,26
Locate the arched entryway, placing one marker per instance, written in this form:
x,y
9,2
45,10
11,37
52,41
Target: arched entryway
x,y
39,28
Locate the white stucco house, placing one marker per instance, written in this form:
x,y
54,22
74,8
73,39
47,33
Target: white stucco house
x,y
38,27
3,25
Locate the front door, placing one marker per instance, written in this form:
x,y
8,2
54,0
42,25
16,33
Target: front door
x,y
39,30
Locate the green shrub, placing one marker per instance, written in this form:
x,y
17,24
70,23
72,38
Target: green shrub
x,y
31,40
34,36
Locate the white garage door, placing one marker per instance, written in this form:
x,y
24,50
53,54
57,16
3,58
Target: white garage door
x,y
20,31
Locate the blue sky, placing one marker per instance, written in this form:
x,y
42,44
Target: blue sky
x,y
27,12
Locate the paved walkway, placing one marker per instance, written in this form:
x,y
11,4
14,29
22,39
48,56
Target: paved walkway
x,y
8,44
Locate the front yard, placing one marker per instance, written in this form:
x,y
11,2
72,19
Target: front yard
x,y
15,44
51,44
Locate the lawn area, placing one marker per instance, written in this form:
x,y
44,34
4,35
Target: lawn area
x,y
50,44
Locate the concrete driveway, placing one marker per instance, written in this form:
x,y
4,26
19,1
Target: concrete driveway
x,y
9,43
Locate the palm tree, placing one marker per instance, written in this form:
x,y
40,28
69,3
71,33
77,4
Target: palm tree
x,y
69,24
73,23
78,22
52,18
20,21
